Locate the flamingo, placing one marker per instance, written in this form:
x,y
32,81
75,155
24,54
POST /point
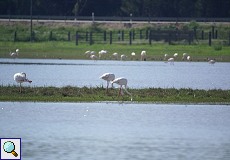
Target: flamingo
x,y
123,57
171,60
122,82
166,56
102,52
185,55
87,53
133,55
20,78
175,55
143,55
109,77
14,54
90,53
211,61
93,57
115,55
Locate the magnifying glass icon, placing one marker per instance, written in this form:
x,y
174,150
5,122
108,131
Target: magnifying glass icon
x,y
9,147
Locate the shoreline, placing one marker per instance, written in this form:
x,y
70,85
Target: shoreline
x,y
99,95
123,102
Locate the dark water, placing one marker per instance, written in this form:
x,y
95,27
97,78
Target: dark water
x,y
102,131
195,75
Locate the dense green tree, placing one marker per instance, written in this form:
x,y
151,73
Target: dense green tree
x,y
138,8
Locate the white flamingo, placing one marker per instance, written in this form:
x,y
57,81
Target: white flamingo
x,y
122,82
185,55
14,54
171,61
90,53
123,57
20,78
109,77
102,52
166,56
93,57
211,61
188,58
143,55
133,54
87,53
115,55
175,55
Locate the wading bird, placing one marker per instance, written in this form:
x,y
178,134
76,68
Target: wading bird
x,y
189,58
185,56
115,55
122,82
171,61
211,61
93,57
133,55
143,55
20,78
123,57
175,55
101,53
165,57
90,53
109,77
14,54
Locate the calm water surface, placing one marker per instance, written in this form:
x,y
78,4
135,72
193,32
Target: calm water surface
x,y
102,131
58,73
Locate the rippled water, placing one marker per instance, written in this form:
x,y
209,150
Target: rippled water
x,y
102,131
196,75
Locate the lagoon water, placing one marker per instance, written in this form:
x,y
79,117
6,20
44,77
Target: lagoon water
x,y
140,74
113,130
124,131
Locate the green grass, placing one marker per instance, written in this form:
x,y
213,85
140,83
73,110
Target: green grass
x,y
85,94
68,50
59,47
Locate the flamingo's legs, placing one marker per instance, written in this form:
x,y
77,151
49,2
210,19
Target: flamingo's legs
x,y
20,87
119,91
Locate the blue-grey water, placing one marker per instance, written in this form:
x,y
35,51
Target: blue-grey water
x,y
140,74
121,131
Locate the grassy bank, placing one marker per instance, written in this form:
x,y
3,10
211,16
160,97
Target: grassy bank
x,y
68,50
85,94
59,47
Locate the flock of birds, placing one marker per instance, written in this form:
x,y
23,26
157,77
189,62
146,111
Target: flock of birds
x,y
14,54
185,56
109,77
93,55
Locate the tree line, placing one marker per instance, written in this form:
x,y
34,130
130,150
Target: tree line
x,y
118,8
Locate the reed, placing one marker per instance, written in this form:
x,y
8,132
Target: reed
x,y
98,94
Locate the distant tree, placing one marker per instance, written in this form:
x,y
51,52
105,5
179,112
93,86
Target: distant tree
x,y
198,8
131,6
186,8
138,8
79,7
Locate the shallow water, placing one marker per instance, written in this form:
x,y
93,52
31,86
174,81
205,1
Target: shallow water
x,y
103,131
140,74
